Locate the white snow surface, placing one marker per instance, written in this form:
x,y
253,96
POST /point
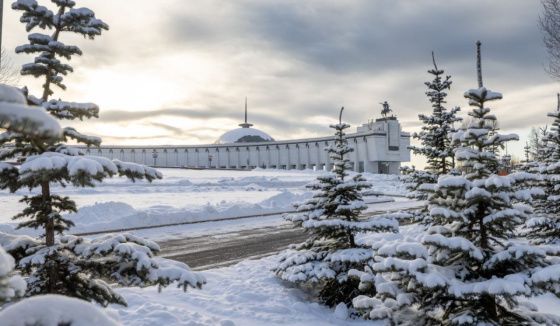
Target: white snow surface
x,y
245,294
183,196
54,310
16,115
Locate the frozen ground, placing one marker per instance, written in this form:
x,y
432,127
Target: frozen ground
x,y
184,195
244,294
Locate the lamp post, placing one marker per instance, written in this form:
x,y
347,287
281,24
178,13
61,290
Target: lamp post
x,y
155,156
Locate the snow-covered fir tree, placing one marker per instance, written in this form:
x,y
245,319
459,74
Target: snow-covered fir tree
x,y
554,134
545,226
17,117
55,262
435,137
471,268
332,218
540,146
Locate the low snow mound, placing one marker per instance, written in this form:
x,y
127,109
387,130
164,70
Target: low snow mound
x,y
285,199
102,213
388,184
118,215
54,310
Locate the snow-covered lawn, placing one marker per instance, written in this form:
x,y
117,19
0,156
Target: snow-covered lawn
x,y
243,294
183,196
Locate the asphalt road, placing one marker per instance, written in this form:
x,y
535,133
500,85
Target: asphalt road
x,y
223,249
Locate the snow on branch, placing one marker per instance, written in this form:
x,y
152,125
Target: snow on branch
x,y
127,259
11,285
16,116
135,171
79,170
478,95
375,224
512,284
71,110
454,244
33,14
83,21
72,133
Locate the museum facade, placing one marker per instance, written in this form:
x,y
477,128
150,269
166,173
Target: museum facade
x,y
379,146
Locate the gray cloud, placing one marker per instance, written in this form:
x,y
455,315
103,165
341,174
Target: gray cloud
x,y
300,61
173,130
278,121
337,50
371,36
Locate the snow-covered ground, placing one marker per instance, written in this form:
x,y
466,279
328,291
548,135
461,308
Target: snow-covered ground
x,y
184,196
244,294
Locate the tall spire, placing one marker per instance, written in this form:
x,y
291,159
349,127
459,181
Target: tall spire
x,y
245,124
478,64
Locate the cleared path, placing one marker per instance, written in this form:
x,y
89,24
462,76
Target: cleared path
x,y
225,249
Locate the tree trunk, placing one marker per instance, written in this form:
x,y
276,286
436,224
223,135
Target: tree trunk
x,y
49,226
54,36
51,265
489,304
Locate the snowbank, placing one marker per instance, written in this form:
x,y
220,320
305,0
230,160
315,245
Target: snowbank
x,y
55,310
117,215
185,196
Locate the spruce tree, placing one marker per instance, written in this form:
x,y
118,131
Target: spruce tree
x,y
437,128
17,117
332,218
435,137
471,268
554,134
545,226
55,262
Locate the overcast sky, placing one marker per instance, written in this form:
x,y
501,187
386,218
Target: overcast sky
x,y
177,72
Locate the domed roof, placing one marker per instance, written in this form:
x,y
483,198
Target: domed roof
x,y
244,135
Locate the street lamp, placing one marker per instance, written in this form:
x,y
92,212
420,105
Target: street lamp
x,y
155,156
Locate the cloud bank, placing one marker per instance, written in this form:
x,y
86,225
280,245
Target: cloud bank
x,y
176,72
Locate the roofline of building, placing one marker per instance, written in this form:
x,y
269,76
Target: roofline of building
x,y
267,143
